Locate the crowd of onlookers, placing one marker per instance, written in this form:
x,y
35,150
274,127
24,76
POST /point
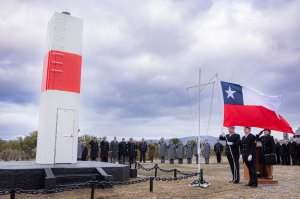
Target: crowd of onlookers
x,y
129,151
287,152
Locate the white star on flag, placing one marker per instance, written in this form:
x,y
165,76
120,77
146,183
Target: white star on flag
x,y
230,93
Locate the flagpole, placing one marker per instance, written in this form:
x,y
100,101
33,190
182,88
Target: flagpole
x,y
198,144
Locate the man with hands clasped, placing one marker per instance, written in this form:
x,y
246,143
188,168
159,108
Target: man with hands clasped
x,y
248,145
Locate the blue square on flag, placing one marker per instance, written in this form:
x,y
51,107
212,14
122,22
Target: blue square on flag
x,y
232,93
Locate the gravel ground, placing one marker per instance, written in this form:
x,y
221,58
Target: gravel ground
x,y
217,174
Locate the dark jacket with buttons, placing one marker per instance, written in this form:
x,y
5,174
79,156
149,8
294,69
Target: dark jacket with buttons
x,y
248,145
292,148
235,147
268,144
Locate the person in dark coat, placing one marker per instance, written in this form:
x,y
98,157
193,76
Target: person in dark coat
x,y
298,152
151,153
114,150
94,148
162,150
131,150
232,149
180,152
171,152
189,152
84,152
136,147
277,149
268,147
218,148
206,151
104,145
283,153
143,150
292,147
122,151
195,150
248,145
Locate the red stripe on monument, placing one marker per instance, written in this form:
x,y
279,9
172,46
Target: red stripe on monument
x,y
62,71
254,116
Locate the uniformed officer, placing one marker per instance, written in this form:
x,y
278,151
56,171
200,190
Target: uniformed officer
x,y
292,148
248,145
232,149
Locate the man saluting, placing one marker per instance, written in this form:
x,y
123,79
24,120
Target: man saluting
x,y
233,142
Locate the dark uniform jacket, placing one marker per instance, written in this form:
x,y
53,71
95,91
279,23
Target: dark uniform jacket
x,y
104,145
143,146
292,148
122,148
218,148
94,149
235,148
131,149
268,144
248,145
283,150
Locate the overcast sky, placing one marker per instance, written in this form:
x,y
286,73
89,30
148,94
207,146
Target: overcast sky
x,y
139,57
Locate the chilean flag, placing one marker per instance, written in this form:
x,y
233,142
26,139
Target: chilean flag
x,y
248,107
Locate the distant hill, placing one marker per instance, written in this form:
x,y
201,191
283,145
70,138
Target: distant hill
x,y
211,139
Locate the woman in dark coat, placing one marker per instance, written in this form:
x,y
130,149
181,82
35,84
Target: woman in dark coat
x,y
268,147
94,148
84,152
104,145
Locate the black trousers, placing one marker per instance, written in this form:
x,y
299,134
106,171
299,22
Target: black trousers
x,y
294,159
278,158
298,158
189,160
252,172
288,159
196,156
235,170
218,157
284,160
143,156
104,159
180,161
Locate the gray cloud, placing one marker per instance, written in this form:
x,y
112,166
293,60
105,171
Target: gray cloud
x,y
139,57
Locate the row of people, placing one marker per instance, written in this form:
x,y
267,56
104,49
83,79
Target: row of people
x,y
126,151
288,153
244,149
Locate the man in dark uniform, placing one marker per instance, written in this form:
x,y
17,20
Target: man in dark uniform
x,y
277,149
292,147
218,148
283,153
131,150
298,152
143,150
104,145
233,142
248,145
122,151
94,148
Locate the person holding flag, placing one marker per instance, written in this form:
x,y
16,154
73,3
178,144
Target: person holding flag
x,y
232,150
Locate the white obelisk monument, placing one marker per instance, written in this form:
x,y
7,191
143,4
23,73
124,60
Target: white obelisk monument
x,y
59,108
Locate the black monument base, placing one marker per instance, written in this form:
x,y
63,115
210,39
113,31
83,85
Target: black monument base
x,y
30,175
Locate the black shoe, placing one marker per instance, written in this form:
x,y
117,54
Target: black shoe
x,y
235,182
230,181
253,186
248,184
